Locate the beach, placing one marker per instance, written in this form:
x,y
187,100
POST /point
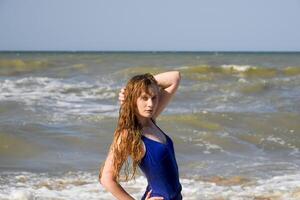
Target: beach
x,y
234,122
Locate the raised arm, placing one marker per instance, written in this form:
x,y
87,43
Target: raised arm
x,y
169,82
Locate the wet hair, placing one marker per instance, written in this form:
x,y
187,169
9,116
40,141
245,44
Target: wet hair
x,y
127,137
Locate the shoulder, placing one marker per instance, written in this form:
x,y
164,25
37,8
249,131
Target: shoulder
x,y
143,149
122,140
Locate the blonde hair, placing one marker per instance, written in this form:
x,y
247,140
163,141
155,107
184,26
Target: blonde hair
x,y
127,136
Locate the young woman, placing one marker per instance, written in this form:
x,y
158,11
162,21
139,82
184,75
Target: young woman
x,y
137,136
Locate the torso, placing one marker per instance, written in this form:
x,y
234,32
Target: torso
x,y
159,164
153,133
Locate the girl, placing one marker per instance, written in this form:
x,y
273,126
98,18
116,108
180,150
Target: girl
x,y
137,135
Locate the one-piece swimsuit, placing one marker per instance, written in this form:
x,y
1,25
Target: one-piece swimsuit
x,y
160,168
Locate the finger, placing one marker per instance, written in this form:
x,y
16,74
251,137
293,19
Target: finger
x,y
121,100
148,194
156,198
121,97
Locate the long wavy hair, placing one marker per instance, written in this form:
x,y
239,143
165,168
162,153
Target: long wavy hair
x,y
127,136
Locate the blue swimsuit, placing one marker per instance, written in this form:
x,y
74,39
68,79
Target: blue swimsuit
x,y
160,168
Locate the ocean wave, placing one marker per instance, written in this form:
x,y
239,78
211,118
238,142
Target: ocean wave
x,y
84,185
208,72
19,66
134,70
58,94
237,133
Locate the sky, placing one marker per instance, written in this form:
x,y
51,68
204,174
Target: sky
x,y
152,25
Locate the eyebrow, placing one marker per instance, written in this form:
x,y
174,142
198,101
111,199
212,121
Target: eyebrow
x,y
151,95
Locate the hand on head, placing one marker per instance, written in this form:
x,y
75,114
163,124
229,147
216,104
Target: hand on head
x,y
122,95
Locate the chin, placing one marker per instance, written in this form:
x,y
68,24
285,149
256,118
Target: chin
x,y
148,115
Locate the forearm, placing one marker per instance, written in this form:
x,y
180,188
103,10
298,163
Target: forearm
x,y
168,79
117,190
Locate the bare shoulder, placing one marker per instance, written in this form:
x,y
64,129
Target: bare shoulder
x,y
143,149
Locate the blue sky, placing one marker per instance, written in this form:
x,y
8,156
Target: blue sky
x,y
153,25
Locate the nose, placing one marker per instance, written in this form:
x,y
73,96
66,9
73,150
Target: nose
x,y
150,103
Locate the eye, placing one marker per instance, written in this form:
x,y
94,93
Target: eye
x,y
154,98
145,98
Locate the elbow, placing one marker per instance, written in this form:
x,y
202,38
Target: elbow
x,y
106,182
177,77
103,181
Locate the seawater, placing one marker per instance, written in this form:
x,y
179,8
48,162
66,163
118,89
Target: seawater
x,y
234,122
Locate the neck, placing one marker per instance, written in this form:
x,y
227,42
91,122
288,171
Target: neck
x,y
145,122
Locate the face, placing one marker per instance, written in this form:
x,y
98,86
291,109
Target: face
x,y
147,103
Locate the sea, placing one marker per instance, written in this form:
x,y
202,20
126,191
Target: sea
x,y
234,121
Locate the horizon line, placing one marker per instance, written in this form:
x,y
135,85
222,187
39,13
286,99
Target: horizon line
x,y
135,51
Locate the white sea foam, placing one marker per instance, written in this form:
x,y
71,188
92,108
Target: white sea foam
x,y
63,96
35,88
274,139
84,185
238,68
277,140
283,187
206,146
